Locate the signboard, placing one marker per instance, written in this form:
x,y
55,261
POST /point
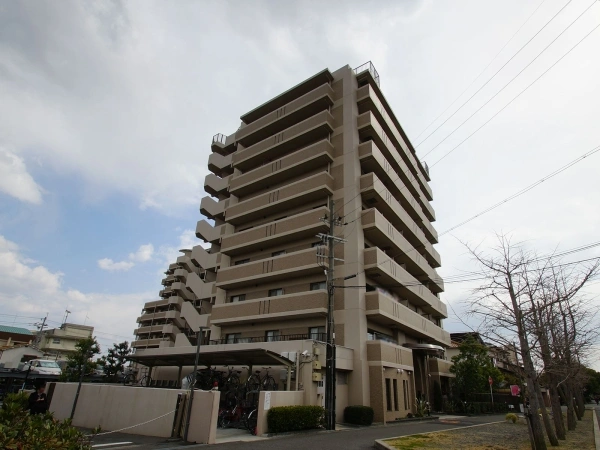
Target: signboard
x,y
490,380
267,400
515,390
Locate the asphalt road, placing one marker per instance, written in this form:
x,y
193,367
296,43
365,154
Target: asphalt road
x,y
353,438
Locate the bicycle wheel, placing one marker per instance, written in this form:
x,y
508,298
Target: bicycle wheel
x,y
144,381
224,419
252,421
128,380
253,383
269,383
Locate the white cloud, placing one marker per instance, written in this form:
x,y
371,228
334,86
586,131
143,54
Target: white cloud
x,y
16,181
28,291
112,266
143,254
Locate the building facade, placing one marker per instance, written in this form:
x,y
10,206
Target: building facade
x,y
60,342
259,278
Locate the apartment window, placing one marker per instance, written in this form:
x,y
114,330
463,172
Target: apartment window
x,y
395,383
56,341
316,333
280,252
317,286
238,298
233,338
388,394
275,292
241,261
272,335
373,335
405,391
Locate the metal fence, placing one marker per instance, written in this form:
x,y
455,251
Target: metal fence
x,y
283,337
368,66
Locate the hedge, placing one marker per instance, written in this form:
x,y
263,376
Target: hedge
x,y
359,415
295,418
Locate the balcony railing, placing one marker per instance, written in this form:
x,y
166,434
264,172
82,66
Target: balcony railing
x,y
285,337
219,138
426,167
371,68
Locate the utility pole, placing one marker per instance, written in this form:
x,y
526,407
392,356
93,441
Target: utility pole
x,y
193,385
330,378
40,336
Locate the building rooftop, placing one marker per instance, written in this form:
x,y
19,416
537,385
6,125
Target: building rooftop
x,y
14,330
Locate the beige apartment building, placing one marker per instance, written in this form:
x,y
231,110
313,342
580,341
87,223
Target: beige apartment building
x,y
257,284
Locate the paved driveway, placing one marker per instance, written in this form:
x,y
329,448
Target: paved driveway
x,y
348,438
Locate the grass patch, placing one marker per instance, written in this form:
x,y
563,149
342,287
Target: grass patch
x,y
498,436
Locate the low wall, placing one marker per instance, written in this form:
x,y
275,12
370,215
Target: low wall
x,y
116,407
275,398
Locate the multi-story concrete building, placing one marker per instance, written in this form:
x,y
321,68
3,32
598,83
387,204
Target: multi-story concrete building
x,y
260,283
60,342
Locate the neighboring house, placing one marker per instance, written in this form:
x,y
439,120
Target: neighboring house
x,y
257,286
12,358
504,358
60,342
14,336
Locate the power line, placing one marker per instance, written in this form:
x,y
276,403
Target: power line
x,y
482,72
518,95
497,72
511,80
524,190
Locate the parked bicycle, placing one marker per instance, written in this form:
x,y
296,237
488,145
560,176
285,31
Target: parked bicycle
x,y
256,383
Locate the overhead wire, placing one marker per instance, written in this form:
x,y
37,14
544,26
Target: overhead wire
x,y
482,72
496,73
511,80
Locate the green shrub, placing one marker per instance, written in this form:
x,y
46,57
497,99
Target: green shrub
x,y
512,417
20,430
359,415
295,418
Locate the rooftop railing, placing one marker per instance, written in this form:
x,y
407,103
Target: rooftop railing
x,y
368,66
219,138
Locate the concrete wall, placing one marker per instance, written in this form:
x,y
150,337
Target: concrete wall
x,y
277,398
116,407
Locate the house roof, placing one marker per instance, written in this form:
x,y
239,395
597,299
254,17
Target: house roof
x,y
14,330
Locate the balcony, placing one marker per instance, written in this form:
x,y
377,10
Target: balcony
x,y
223,144
216,186
370,128
148,330
175,300
293,306
375,194
281,338
315,187
146,343
297,110
203,258
208,233
297,163
387,311
365,68
300,135
292,228
384,235
386,352
288,96
286,267
373,160
220,165
202,289
213,209
393,277
156,304
368,99
440,366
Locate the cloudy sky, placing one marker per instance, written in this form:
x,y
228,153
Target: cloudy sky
x,y
107,110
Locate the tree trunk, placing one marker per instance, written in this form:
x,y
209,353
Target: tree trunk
x,y
546,417
559,423
579,402
568,399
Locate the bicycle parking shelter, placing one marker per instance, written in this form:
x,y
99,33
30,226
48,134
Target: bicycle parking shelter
x,y
244,357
